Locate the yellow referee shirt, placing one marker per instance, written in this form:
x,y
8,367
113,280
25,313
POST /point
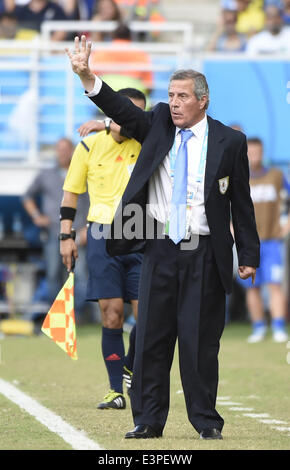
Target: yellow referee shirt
x,y
103,167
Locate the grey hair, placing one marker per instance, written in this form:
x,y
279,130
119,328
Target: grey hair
x,y
200,84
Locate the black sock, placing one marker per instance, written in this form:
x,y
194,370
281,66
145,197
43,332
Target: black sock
x,y
113,354
129,358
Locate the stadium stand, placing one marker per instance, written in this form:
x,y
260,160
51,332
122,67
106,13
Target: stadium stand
x,y
41,100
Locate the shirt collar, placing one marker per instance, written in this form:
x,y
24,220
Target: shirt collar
x,y
198,129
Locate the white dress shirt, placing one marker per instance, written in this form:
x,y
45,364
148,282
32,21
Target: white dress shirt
x,y
161,182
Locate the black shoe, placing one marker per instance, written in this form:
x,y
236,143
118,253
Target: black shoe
x,y
210,433
143,431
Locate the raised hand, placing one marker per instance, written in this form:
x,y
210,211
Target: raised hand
x,y
79,59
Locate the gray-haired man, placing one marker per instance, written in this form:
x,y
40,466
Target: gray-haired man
x,y
196,168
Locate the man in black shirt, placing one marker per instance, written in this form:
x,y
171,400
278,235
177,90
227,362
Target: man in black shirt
x,y
32,15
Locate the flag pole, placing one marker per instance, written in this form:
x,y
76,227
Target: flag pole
x,y
73,261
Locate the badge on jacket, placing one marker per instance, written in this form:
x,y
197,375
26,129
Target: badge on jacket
x,y
224,184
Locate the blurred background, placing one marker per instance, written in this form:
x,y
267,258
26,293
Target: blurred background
x,y
243,48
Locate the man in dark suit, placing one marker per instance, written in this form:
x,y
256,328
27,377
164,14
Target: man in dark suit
x,y
191,177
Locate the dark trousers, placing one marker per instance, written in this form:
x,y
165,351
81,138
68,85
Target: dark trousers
x,y
181,296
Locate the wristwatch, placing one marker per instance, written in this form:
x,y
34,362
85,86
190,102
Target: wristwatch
x,y
107,122
65,236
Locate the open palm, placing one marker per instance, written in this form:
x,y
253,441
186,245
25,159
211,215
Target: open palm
x,y
79,57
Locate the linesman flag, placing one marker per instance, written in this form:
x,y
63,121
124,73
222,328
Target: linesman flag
x,y
59,323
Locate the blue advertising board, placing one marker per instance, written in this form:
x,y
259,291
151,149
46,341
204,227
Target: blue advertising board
x,y
254,94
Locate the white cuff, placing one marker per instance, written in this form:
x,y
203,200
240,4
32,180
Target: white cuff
x,y
97,88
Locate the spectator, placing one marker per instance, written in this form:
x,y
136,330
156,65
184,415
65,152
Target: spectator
x,y
123,58
286,12
139,9
85,6
6,5
266,186
48,186
226,38
106,10
142,10
251,16
75,9
32,15
8,26
275,38
10,30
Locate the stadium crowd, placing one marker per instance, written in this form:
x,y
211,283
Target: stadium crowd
x,y
251,26
22,19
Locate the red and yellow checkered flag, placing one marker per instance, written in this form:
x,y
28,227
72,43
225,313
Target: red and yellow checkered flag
x,y
59,323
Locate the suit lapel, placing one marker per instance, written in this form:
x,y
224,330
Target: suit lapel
x,y
163,148
215,150
145,167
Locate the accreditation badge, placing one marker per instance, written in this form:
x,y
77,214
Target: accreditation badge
x,y
224,184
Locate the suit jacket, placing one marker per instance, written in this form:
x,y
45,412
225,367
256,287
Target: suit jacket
x,y
226,187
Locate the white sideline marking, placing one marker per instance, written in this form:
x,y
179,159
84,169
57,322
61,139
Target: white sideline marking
x,y
240,408
272,421
77,439
257,415
261,417
228,403
282,428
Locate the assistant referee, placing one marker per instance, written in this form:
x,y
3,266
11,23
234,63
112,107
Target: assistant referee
x,y
103,163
